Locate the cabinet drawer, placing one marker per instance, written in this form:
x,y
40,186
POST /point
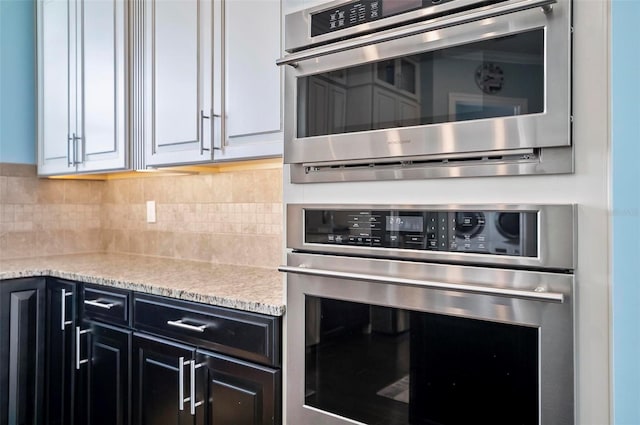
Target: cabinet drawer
x,y
106,304
246,335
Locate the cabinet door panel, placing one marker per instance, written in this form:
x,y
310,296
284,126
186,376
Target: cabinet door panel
x,y
101,52
60,381
53,87
156,382
22,351
253,82
178,75
239,392
107,380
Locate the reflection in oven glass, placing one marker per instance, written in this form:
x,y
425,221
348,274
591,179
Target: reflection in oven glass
x,y
386,366
498,77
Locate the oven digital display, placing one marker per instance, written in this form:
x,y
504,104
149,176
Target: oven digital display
x,y
404,223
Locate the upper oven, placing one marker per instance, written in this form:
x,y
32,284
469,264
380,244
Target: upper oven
x,y
390,89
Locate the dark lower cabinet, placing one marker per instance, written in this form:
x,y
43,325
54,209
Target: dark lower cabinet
x,y
61,335
70,358
22,354
237,392
161,381
104,381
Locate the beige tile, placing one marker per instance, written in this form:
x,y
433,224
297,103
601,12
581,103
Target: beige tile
x,y
21,190
76,241
50,242
50,192
17,170
18,245
3,189
136,242
165,244
83,192
193,246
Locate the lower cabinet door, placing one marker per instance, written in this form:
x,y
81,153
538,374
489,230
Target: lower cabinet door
x,y
61,335
22,307
161,381
105,378
236,392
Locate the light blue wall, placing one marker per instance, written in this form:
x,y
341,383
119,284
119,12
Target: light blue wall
x,y
626,209
17,82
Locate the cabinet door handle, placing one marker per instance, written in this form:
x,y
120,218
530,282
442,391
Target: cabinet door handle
x,y
78,334
70,140
75,149
202,118
63,308
98,303
194,404
181,325
181,399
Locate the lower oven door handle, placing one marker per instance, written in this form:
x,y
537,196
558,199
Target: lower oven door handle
x,y
538,294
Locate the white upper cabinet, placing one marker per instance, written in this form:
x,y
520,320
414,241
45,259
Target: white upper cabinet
x,y
252,81
127,84
179,112
81,86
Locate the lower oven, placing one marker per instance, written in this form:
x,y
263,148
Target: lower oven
x,y
399,339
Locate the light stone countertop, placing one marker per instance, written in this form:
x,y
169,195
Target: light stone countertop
x,y
254,289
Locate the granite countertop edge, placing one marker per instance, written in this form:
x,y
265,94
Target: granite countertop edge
x,y
149,288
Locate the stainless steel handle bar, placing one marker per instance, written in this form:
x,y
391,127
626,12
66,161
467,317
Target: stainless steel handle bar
x,y
418,28
537,295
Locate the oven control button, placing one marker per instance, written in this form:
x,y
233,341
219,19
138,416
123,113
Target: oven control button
x,y
331,238
414,239
338,238
352,239
376,241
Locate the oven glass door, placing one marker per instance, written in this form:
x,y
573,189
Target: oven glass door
x,y
383,366
499,77
495,84
395,342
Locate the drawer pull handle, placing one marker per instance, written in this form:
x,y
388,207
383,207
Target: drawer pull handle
x,y
180,324
98,303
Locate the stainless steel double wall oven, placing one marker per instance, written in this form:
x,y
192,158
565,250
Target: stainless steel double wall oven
x,y
392,89
430,314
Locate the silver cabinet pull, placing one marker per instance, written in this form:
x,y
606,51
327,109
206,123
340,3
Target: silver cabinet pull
x,y
70,141
181,399
98,303
202,118
75,149
78,333
181,325
194,404
538,294
63,307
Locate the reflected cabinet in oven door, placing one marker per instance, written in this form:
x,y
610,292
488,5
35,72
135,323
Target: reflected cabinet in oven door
x,y
497,83
391,354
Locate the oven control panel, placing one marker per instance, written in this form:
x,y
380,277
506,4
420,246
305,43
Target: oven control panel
x,y
362,11
512,233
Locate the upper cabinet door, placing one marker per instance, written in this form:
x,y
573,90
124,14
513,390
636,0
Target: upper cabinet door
x,y
81,86
178,56
252,80
55,38
101,63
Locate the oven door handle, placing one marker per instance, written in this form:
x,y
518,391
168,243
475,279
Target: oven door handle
x,y
436,24
538,294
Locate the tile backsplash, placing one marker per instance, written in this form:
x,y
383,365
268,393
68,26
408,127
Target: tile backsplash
x,y
234,217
